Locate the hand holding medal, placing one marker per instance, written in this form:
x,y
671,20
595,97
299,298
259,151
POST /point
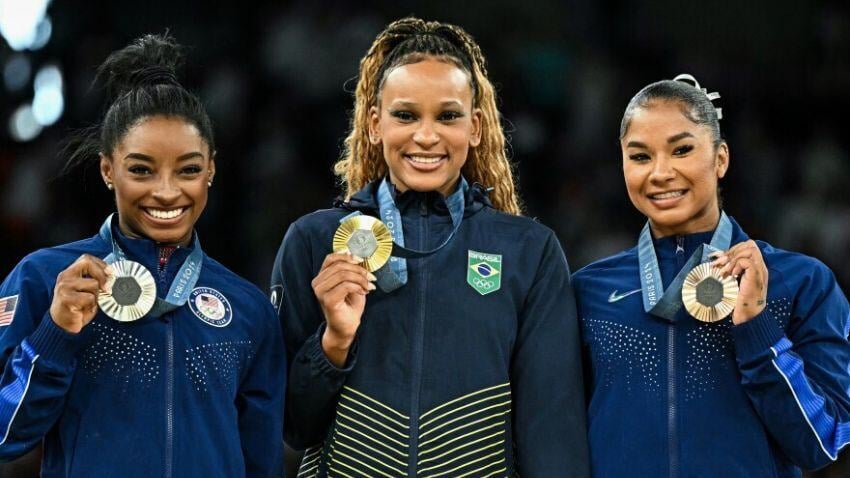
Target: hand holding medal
x,y
76,292
341,287
744,260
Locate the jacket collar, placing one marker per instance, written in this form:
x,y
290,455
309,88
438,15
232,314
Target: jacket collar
x,y
146,251
366,200
667,246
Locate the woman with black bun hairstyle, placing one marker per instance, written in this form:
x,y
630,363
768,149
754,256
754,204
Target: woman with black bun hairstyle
x,y
709,354
132,353
459,356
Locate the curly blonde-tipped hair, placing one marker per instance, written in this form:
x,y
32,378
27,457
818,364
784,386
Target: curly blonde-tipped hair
x,y
487,164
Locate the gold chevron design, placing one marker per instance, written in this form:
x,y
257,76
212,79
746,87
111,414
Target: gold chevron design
x,y
466,436
463,437
369,438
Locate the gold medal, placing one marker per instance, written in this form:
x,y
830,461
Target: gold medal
x,y
133,292
366,237
707,295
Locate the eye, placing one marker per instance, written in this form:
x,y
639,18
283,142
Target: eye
x,y
402,115
192,170
139,170
639,157
450,115
683,150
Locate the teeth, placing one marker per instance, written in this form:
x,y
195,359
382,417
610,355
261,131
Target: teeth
x,y
425,160
671,194
165,214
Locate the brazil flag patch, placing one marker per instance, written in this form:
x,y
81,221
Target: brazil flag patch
x,y
484,272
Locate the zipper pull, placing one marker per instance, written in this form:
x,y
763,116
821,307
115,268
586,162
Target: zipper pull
x,y
423,208
680,244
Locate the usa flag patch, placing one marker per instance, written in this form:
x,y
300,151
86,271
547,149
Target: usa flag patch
x,y
7,309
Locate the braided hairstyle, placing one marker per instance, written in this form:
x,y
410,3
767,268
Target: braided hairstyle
x,y
411,40
140,81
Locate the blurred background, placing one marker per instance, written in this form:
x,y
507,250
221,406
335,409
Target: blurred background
x,y
277,80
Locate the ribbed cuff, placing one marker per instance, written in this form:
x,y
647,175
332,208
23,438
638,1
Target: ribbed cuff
x,y
54,344
756,336
317,356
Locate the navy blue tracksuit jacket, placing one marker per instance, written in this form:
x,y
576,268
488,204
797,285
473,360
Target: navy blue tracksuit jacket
x,y
195,392
691,399
442,380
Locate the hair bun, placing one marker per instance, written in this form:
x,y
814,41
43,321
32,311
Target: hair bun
x,y
150,60
687,78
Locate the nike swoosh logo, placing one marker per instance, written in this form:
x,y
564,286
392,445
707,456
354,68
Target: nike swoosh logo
x,y
614,297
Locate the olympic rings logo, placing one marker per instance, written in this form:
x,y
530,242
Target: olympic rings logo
x,y
486,284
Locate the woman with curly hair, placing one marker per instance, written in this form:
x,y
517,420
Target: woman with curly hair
x,y
459,357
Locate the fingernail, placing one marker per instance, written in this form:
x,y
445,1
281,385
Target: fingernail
x,y
356,259
371,276
371,286
109,270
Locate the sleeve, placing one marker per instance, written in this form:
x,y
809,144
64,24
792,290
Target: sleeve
x,y
260,403
38,362
314,382
799,380
549,423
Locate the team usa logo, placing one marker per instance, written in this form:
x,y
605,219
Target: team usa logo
x,y
484,272
210,306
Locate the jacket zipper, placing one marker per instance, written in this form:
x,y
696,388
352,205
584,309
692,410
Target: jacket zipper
x,y
169,373
671,376
418,338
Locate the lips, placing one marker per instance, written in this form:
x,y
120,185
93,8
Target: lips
x,y
668,194
426,161
667,199
167,215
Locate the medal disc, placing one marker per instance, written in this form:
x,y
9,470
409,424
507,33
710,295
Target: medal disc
x,y
707,295
365,237
133,292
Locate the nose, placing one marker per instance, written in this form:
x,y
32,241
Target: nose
x,y
166,190
426,134
662,170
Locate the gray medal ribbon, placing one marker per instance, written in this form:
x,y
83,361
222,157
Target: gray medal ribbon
x,y
666,303
181,286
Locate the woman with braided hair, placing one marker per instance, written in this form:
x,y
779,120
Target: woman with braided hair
x,y
132,353
459,356
709,354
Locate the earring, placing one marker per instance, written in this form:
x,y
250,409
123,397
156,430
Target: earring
x,y
109,186
209,183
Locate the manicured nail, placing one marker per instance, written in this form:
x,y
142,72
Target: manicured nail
x,y
371,286
371,276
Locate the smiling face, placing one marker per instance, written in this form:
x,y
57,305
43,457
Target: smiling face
x,y
160,170
426,123
671,167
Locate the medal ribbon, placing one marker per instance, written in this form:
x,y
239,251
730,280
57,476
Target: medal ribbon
x,y
666,303
181,286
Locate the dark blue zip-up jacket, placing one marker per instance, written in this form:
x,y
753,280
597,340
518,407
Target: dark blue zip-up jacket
x,y
692,399
173,396
442,380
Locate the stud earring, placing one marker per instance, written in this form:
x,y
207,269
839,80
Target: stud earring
x,y
209,183
109,186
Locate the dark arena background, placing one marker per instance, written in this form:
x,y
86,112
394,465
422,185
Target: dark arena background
x,y
277,80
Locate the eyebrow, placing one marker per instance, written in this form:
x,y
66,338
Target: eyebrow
x,y
670,140
145,157
680,136
408,103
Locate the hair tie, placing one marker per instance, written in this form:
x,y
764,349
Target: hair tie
x,y
711,96
154,75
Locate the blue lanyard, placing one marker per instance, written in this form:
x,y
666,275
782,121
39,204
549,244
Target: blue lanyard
x,y
656,300
184,282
